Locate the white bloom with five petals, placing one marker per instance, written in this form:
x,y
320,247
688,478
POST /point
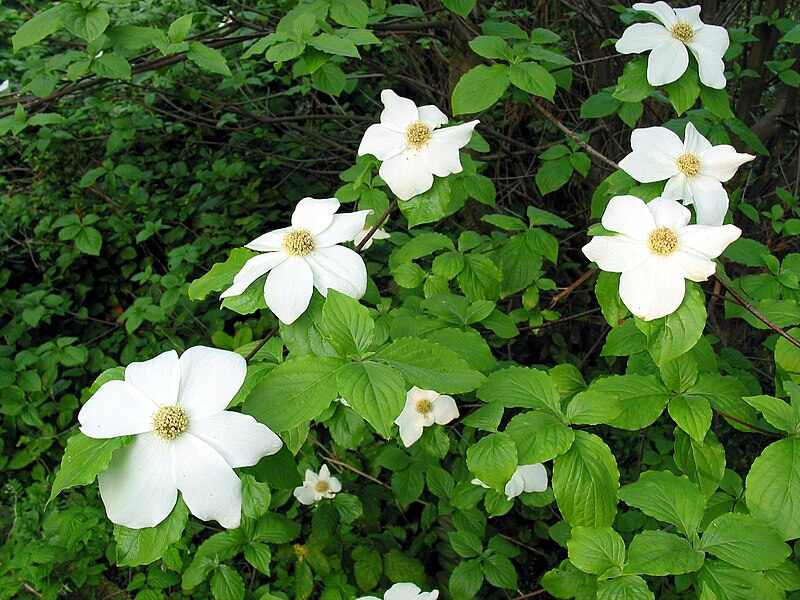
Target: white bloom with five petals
x,y
305,256
404,591
411,145
317,486
185,439
424,408
693,168
656,250
679,29
526,478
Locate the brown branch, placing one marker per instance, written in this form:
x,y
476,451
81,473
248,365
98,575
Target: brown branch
x,y
571,287
261,344
381,220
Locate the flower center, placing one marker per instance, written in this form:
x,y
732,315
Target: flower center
x,y
418,135
423,407
683,32
298,242
170,421
662,241
322,486
688,164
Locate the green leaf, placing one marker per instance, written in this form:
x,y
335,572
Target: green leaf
x,y
347,324
433,205
112,66
330,79
258,555
491,46
349,507
375,391
255,497
285,51
668,498
722,581
493,459
692,414
585,482
221,274
466,580
744,542
539,436
38,27
465,543
227,584
716,101
593,408
641,397
534,79
552,175
333,44
600,105
89,241
208,59
479,88
632,85
142,546
773,487
777,412
607,291
599,551
350,13
179,29
522,387
500,572
704,463
661,553
629,587
684,92
460,7
84,458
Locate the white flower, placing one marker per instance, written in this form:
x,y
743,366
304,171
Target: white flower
x,y
343,402
380,234
304,256
424,408
412,147
680,28
316,487
655,250
404,591
4,86
185,439
693,168
526,478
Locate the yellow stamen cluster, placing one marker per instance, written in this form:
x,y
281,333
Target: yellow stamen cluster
x,y
683,32
418,135
662,241
300,551
423,407
688,164
170,421
298,242
322,487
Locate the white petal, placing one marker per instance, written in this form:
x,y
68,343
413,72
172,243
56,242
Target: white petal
x,y
712,37
667,63
116,409
657,142
402,591
379,234
210,378
690,15
694,142
398,112
415,394
270,241
669,213
534,476
344,228
138,489
653,289
615,253
660,10
458,135
515,486
253,269
338,268
477,481
240,439
313,214
442,152
710,200
305,495
289,288
721,162
157,378
692,265
407,174
628,215
708,241
336,485
641,37
410,426
207,483
381,142
432,116
709,46
677,188
444,410
647,167
324,473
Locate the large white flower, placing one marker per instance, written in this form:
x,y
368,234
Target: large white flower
x,y
424,408
185,439
526,478
404,591
316,487
305,256
656,249
411,145
680,28
693,168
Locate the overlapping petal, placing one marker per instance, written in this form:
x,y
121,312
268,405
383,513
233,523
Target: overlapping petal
x,y
116,409
240,439
641,37
408,174
628,215
289,288
382,142
398,112
615,253
653,289
253,269
667,62
338,268
158,378
210,378
314,215
343,228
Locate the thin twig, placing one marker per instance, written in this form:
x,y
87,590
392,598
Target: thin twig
x,y
749,425
381,220
571,287
261,344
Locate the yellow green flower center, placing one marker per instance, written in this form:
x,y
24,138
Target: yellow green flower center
x,y
688,164
170,421
298,242
662,241
423,407
683,32
418,135
322,486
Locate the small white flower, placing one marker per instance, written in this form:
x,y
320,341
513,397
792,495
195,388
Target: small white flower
x,y
404,591
185,439
343,402
526,478
680,28
412,147
693,168
424,408
316,487
380,234
656,250
99,54
4,86
305,256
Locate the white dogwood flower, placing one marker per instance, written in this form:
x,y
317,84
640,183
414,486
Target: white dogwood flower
x,y
411,146
693,168
404,591
380,234
317,486
185,439
655,250
526,478
424,408
305,256
679,29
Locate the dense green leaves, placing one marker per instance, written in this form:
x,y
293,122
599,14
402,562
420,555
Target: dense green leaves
x,y
668,498
773,487
744,542
480,88
493,459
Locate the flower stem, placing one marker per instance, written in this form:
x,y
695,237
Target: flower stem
x,y
381,220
